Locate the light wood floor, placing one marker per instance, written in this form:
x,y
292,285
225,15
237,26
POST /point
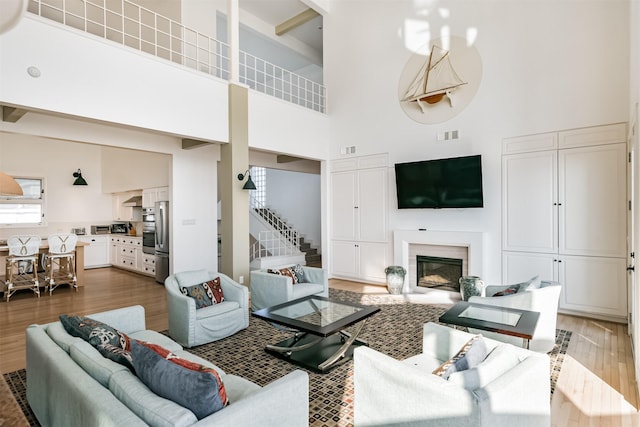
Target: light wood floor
x,y
597,385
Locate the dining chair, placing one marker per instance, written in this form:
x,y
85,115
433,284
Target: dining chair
x,y
61,261
22,264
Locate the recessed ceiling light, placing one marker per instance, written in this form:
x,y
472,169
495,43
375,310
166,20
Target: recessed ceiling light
x,y
33,71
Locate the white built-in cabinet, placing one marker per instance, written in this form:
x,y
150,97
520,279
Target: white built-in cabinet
x,y
126,252
126,213
96,251
565,216
152,195
359,218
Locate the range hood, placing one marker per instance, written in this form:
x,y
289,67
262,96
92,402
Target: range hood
x,y
133,201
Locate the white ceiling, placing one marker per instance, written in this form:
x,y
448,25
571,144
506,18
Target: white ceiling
x,y
275,12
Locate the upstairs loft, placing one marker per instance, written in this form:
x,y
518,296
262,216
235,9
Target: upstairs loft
x,y
162,77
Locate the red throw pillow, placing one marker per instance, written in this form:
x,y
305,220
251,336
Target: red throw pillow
x,y
285,272
216,289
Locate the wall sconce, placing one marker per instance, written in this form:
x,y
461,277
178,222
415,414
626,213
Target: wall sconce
x,y
9,186
249,185
79,179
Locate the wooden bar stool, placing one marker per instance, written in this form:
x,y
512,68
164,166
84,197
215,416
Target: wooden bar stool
x,y
61,261
22,264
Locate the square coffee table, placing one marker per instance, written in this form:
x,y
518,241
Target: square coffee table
x,y
319,341
503,320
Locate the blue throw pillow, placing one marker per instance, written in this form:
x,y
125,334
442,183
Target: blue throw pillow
x,y
92,331
193,386
469,356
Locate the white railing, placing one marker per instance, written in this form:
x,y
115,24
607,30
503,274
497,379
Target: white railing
x,y
281,240
139,28
268,78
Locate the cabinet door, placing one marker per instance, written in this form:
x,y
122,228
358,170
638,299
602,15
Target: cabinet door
x,y
593,197
521,266
149,197
344,259
594,285
163,194
372,205
529,191
374,260
343,205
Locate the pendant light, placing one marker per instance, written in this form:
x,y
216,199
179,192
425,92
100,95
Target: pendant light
x,y
9,186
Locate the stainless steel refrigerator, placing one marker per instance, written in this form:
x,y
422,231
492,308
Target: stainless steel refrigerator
x,y
162,241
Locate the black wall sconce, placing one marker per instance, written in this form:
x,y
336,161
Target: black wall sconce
x,y
249,185
79,179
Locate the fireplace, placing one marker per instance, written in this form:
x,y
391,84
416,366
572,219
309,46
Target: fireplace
x,y
465,245
438,272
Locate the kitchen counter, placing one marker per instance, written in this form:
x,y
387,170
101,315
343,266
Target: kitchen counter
x,y
44,248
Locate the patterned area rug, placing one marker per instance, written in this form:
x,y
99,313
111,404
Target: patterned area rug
x,y
396,330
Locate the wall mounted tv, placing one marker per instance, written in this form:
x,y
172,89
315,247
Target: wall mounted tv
x,y
443,183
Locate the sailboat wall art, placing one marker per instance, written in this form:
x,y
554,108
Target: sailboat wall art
x,y
440,80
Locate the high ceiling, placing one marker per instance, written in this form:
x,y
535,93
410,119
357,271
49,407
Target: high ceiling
x,y
277,12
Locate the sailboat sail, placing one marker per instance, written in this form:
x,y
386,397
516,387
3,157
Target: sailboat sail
x,y
435,79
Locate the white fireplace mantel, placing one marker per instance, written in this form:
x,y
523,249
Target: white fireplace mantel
x,y
472,240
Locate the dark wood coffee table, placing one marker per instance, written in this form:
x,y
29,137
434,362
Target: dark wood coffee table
x,y
319,341
503,320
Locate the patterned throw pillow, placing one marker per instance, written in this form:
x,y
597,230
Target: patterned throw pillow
x,y
509,291
110,342
287,271
216,289
196,387
299,272
470,355
204,294
92,331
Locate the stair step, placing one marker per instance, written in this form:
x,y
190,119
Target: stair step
x,y
305,246
310,251
314,260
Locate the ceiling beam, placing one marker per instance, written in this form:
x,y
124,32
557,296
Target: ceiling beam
x,y
12,114
188,144
299,19
283,158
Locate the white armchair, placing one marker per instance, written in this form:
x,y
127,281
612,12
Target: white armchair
x,y
511,387
543,300
268,289
191,327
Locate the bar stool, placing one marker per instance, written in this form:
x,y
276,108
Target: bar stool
x,y
61,261
22,264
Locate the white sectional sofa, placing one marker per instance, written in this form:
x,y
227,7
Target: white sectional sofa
x,y
69,383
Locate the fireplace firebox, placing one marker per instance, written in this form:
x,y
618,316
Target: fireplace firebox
x,y
438,273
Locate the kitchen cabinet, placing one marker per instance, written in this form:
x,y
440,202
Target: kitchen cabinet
x,y
96,252
127,252
149,264
565,215
126,213
152,195
359,216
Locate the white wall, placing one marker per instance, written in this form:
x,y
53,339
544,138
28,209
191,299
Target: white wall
x,y
546,66
86,76
66,205
296,197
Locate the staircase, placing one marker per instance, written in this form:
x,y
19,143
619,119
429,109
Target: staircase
x,y
294,242
311,255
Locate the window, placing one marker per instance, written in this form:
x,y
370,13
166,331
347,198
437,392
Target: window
x,y
25,209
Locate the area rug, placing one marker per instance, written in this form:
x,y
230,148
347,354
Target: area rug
x,y
396,331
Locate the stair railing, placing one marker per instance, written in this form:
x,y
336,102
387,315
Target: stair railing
x,y
282,240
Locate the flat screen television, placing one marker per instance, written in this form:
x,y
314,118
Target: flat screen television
x,y
443,183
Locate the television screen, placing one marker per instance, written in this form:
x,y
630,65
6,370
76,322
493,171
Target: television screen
x,y
442,183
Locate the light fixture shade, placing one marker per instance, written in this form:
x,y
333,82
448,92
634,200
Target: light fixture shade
x,y
79,179
249,185
9,186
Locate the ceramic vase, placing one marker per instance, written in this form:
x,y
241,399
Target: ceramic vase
x,y
395,279
471,286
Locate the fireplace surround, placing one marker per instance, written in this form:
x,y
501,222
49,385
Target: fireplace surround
x,y
466,245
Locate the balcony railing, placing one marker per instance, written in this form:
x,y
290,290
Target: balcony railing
x,y
133,26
